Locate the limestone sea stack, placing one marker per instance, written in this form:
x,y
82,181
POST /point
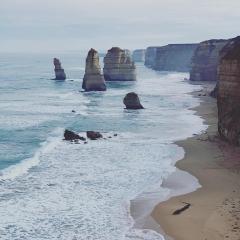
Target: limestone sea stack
x,y
205,60
131,101
118,66
138,55
93,79
59,71
228,97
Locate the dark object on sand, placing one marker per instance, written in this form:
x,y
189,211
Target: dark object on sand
x,y
94,135
72,136
131,101
179,211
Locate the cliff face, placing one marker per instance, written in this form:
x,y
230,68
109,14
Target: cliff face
x,y
205,60
139,55
174,57
59,71
93,79
229,92
150,56
118,66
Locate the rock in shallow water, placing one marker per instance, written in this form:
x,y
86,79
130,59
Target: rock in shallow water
x,y
131,101
94,135
72,136
118,66
93,79
59,71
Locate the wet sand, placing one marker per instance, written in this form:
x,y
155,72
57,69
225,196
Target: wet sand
x,y
214,211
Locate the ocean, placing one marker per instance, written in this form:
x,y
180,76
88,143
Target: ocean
x,y
52,189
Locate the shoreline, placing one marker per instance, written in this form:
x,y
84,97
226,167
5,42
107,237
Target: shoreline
x,y
213,211
213,214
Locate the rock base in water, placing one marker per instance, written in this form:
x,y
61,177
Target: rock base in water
x,y
94,135
118,66
131,101
72,136
93,79
59,71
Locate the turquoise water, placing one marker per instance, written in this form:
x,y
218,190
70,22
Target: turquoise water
x,y
51,189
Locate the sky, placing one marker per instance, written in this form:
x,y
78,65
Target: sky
x,y
68,25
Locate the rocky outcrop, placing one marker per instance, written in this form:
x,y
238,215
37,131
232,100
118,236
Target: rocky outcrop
x,y
174,57
118,66
228,98
139,55
72,136
205,60
93,79
150,56
131,101
59,71
94,135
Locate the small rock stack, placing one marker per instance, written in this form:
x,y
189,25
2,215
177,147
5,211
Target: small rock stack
x,y
93,79
118,66
59,71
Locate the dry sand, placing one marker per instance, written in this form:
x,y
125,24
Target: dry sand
x,y
214,213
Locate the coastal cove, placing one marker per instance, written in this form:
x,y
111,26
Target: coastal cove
x,y
213,213
85,195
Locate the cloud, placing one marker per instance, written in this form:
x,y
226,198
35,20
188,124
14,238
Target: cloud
x,y
68,24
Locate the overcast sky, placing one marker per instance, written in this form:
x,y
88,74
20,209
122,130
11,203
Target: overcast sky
x,y
61,25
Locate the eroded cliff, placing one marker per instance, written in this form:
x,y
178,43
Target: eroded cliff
x,y
205,60
118,65
228,98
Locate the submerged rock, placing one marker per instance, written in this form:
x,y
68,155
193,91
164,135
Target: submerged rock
x,y
94,135
59,71
93,79
131,101
118,66
228,97
205,60
72,136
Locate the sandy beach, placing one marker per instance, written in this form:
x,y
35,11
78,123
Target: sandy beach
x,y
214,211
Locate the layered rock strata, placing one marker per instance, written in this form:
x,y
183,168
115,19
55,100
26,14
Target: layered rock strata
x,y
59,71
174,57
93,79
205,60
228,97
118,66
138,55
